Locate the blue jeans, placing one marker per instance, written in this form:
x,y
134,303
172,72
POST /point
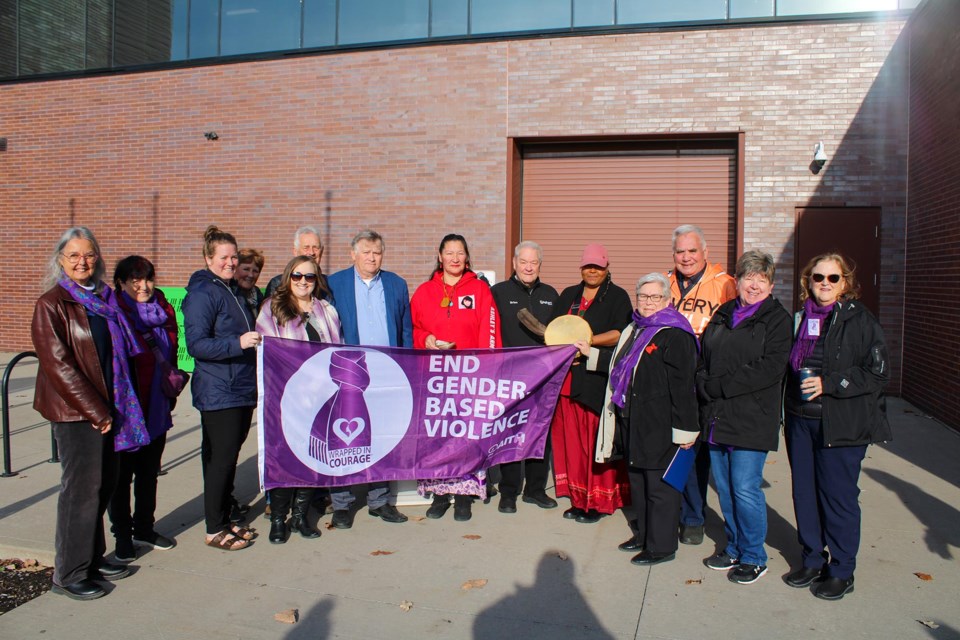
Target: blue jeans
x,y
738,475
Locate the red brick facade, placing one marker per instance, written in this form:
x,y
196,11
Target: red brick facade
x,y
413,142
931,349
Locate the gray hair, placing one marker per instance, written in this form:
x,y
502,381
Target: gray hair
x,y
686,229
657,278
370,236
55,269
302,231
756,262
528,244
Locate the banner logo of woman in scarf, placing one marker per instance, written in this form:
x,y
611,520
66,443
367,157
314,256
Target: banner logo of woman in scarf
x,y
345,409
341,433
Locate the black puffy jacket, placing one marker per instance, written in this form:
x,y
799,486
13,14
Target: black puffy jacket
x,y
740,380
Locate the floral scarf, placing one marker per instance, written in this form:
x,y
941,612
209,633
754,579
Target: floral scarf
x,y
129,427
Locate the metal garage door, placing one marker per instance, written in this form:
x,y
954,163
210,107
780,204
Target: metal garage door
x,y
630,198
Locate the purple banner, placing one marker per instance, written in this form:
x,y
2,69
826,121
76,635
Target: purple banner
x,y
337,415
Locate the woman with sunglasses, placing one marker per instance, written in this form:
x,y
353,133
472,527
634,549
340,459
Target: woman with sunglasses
x,y
297,311
835,408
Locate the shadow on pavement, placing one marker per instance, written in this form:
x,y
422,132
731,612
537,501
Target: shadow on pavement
x,y
315,625
552,607
941,520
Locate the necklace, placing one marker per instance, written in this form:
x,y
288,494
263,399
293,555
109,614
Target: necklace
x,y
446,301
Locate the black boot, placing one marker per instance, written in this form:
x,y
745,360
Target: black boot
x,y
439,506
278,528
298,519
462,510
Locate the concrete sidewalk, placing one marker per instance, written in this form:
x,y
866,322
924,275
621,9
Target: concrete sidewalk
x,y
546,577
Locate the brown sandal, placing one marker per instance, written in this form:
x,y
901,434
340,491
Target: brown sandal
x,y
243,532
227,541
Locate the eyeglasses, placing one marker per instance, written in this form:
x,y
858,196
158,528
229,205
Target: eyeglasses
x,y
833,278
296,276
74,258
642,297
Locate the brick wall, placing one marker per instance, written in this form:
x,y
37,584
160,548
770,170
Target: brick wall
x,y
931,350
412,142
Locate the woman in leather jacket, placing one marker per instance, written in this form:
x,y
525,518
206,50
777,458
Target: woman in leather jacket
x,y
84,389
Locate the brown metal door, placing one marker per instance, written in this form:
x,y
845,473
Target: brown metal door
x,y
630,202
853,232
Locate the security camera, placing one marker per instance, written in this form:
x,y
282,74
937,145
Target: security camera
x,y
211,135
819,155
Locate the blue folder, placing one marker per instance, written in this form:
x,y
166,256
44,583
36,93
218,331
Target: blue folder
x,y
679,469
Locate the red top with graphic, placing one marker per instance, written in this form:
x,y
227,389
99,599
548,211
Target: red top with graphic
x,y
464,313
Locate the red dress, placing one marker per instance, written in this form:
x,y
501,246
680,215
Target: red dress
x,y
604,487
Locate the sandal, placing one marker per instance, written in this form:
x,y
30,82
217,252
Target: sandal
x,y
227,541
243,533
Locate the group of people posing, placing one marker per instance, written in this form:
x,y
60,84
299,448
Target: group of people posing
x,y
704,361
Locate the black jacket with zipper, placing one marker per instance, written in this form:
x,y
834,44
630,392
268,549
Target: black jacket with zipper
x,y
855,370
740,379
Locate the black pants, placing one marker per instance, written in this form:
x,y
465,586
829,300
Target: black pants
x,y
657,506
825,497
89,474
536,471
224,433
140,468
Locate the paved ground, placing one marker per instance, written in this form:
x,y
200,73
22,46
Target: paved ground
x,y
546,577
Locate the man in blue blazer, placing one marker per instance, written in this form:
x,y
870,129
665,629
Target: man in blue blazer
x,y
374,308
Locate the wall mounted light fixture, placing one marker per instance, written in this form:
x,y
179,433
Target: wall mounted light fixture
x,y
3,144
211,135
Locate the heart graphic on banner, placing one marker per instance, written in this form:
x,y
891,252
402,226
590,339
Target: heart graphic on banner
x,y
348,430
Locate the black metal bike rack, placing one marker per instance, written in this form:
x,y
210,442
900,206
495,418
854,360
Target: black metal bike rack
x,y
5,400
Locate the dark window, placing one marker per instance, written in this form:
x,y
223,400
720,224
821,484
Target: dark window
x,y
449,18
142,32
51,36
319,23
640,11
98,49
492,16
800,7
592,13
249,26
751,8
383,20
8,39
204,28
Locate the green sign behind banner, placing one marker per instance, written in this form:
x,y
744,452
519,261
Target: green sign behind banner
x,y
175,296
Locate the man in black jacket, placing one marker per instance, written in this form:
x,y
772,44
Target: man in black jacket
x,y
523,290
306,242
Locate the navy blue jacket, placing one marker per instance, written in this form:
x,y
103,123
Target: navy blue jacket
x,y
214,318
396,297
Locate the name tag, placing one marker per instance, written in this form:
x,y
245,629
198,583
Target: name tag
x,y
813,326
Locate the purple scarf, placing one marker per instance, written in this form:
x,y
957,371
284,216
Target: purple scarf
x,y
805,343
129,429
150,317
743,311
668,317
